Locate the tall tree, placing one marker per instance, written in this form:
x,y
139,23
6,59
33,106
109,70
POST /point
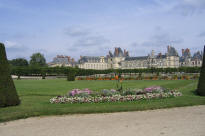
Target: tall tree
x,y
19,62
38,59
201,83
8,94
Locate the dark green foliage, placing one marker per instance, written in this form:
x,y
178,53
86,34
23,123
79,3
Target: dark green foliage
x,y
62,71
129,92
71,75
19,62
37,59
8,94
43,73
201,84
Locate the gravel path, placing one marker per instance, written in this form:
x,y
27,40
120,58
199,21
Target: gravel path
x,y
186,121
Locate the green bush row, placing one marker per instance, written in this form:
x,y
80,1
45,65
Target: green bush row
x,y
57,71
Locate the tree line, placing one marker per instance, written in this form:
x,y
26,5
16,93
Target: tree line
x,y
36,59
69,71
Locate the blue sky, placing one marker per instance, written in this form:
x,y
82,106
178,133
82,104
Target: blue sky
x,y
93,27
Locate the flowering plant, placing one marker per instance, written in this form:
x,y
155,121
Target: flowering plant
x,y
114,98
78,92
105,95
106,92
154,89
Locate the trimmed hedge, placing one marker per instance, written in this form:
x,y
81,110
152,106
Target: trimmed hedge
x,y
64,71
201,83
8,94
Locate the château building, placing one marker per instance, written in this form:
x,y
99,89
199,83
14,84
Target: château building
x,y
191,61
61,60
170,59
88,62
121,60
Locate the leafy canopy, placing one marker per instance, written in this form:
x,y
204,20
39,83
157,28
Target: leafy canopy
x,y
19,62
37,59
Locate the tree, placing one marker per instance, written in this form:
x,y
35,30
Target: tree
x,y
201,83
8,94
19,62
71,73
37,59
43,73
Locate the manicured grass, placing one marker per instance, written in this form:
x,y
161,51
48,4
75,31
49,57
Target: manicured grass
x,y
35,96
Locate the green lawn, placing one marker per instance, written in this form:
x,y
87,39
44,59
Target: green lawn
x,y
35,95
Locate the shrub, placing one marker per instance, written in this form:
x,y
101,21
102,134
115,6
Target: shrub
x,y
8,94
106,92
71,75
201,84
43,73
129,92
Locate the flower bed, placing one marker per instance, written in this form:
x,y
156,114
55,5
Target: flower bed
x,y
88,96
154,77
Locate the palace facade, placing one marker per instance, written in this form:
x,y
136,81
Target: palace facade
x,y
61,60
121,60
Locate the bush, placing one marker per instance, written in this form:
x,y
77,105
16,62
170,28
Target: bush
x,y
8,94
71,76
43,73
129,92
106,92
201,84
36,70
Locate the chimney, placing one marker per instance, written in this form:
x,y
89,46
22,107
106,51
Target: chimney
x,y
68,58
116,51
128,54
72,60
168,48
188,50
152,53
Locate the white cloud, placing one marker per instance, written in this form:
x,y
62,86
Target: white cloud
x,y
190,7
10,44
76,31
16,50
84,37
195,3
202,34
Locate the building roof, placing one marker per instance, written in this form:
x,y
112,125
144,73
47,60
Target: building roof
x,y
136,58
171,51
60,59
118,52
186,53
161,56
92,59
197,55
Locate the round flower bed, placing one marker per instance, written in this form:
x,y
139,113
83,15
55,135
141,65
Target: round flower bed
x,y
89,96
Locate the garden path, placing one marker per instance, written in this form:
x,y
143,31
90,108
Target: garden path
x,y
185,121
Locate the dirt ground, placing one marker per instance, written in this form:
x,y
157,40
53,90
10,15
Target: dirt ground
x,y
185,121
